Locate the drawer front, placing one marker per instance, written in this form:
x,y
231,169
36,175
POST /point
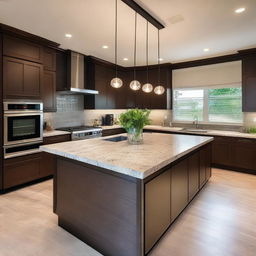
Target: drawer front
x,y
21,170
56,139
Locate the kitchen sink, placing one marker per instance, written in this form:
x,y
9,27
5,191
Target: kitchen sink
x,y
195,130
116,139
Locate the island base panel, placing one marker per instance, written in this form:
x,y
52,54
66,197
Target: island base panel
x,y
101,209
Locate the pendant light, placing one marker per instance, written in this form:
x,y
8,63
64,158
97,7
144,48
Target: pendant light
x,y
147,87
116,82
159,89
135,84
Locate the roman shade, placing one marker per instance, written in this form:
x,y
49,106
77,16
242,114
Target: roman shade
x,y
221,75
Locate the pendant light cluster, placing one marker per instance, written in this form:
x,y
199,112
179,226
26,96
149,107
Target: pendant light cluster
x,y
135,84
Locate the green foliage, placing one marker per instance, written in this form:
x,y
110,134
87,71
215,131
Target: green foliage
x,y
134,118
225,91
252,130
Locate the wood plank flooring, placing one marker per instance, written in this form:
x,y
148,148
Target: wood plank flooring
x,y
221,221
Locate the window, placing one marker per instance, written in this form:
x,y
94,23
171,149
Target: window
x,y
222,105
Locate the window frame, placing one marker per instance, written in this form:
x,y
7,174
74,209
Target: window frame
x,y
205,109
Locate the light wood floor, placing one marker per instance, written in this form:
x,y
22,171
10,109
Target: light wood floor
x,y
221,221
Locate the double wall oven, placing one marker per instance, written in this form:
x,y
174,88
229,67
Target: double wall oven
x,y
23,127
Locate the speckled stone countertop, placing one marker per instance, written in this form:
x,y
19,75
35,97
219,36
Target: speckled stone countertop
x,y
54,133
139,161
208,133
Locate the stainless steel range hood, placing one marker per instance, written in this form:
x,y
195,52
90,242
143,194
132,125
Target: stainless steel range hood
x,y
76,75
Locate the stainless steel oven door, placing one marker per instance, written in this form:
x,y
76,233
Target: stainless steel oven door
x,y
22,128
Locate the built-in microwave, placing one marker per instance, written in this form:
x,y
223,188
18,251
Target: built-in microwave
x,y
23,123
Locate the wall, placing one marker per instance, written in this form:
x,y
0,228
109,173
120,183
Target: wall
x,y
249,119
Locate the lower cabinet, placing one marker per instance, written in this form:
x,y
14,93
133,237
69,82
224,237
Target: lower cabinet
x,y
47,165
169,193
236,153
193,175
157,208
179,188
20,170
23,169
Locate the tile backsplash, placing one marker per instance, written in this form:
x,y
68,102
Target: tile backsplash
x,y
70,111
156,116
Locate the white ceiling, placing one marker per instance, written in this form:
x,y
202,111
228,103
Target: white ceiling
x,y
191,26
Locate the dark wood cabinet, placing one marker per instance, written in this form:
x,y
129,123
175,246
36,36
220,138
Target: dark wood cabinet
x,y
22,49
179,188
193,174
47,165
61,70
22,79
157,208
100,74
49,91
20,170
242,153
109,132
56,139
249,82
49,59
220,151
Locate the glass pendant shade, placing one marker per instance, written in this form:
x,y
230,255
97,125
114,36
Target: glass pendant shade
x,y
116,82
159,90
147,88
135,85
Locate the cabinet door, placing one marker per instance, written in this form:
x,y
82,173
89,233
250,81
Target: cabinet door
x,y
47,165
49,91
208,172
243,152
49,59
193,174
61,71
157,208
22,49
21,79
20,170
249,82
202,168
221,151
179,188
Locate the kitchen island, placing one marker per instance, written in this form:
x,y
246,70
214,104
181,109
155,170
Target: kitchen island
x,y
121,198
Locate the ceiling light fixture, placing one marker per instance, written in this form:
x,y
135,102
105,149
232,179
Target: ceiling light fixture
x,y
206,49
116,82
159,89
104,46
135,84
161,59
240,10
125,59
147,87
68,35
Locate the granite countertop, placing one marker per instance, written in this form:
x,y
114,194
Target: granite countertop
x,y
208,133
139,161
54,133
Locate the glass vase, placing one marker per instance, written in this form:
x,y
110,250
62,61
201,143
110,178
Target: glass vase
x,y
135,136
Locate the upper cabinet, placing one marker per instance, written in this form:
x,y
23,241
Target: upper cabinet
x,y
21,79
99,75
29,67
249,81
22,49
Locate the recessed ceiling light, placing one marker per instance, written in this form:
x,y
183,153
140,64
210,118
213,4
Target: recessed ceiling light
x,y
125,59
239,10
104,46
68,35
206,49
161,59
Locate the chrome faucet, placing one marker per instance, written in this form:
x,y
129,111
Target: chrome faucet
x,y
195,122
